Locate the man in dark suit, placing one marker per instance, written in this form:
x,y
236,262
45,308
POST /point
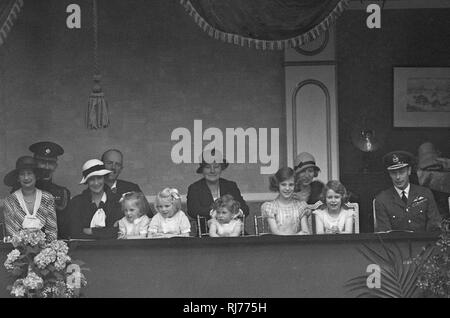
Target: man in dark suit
x,y
46,155
113,160
404,206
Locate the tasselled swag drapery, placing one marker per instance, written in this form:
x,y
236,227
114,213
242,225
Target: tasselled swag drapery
x,y
265,24
9,11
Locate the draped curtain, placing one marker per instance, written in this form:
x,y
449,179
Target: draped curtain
x,y
265,24
9,10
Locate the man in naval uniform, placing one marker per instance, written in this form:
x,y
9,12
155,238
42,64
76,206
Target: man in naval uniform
x,y
404,206
46,155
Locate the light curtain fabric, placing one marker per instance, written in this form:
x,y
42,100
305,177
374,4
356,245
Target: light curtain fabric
x,y
265,24
9,11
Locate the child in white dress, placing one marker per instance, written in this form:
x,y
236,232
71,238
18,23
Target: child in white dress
x,y
285,215
170,220
135,223
334,217
225,218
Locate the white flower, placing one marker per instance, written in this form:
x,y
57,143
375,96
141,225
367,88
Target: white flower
x,y
59,246
61,261
45,257
11,258
18,290
33,281
31,237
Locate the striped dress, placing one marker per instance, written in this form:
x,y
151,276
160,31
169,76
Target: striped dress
x,y
15,213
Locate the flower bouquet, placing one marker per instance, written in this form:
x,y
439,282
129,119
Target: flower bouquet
x,y
42,269
434,276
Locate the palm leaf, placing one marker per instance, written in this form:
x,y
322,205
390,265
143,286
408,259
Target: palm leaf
x,y
376,258
355,280
396,261
357,286
398,273
372,255
411,280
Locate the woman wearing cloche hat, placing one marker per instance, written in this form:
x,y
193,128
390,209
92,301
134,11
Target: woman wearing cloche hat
x,y
28,207
306,189
202,194
94,212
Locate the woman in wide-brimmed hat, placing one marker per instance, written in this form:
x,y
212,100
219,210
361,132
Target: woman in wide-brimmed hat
x,y
28,207
94,212
306,188
202,193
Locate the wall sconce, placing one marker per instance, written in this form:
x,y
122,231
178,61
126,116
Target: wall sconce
x,y
366,140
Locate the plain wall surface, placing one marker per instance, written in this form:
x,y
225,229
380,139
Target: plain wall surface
x,y
160,71
366,58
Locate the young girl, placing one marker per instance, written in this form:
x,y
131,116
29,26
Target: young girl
x,y
285,215
170,220
135,223
334,218
225,217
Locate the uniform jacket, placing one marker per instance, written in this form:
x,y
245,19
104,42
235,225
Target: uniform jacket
x,y
200,199
419,214
62,198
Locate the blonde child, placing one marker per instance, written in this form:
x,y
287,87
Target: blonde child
x,y
169,220
225,217
135,223
333,217
285,215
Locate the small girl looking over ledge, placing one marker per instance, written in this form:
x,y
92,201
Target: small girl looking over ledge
x,y
334,217
170,220
134,224
285,215
225,218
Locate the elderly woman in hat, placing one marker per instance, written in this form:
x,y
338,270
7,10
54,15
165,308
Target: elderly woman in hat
x,y
28,207
94,212
306,189
202,193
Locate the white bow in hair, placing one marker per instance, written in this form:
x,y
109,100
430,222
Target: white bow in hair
x,y
123,196
174,193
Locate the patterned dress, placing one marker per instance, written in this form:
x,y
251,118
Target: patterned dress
x,y
288,218
17,214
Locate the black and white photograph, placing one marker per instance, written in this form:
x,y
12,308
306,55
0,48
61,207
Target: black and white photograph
x,y
224,153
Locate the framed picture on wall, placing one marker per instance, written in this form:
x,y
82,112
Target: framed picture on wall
x,y
421,96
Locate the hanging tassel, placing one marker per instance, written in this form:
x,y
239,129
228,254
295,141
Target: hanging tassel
x,y
97,115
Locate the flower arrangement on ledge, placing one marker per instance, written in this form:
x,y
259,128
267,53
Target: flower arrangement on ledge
x,y
425,275
43,269
434,275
